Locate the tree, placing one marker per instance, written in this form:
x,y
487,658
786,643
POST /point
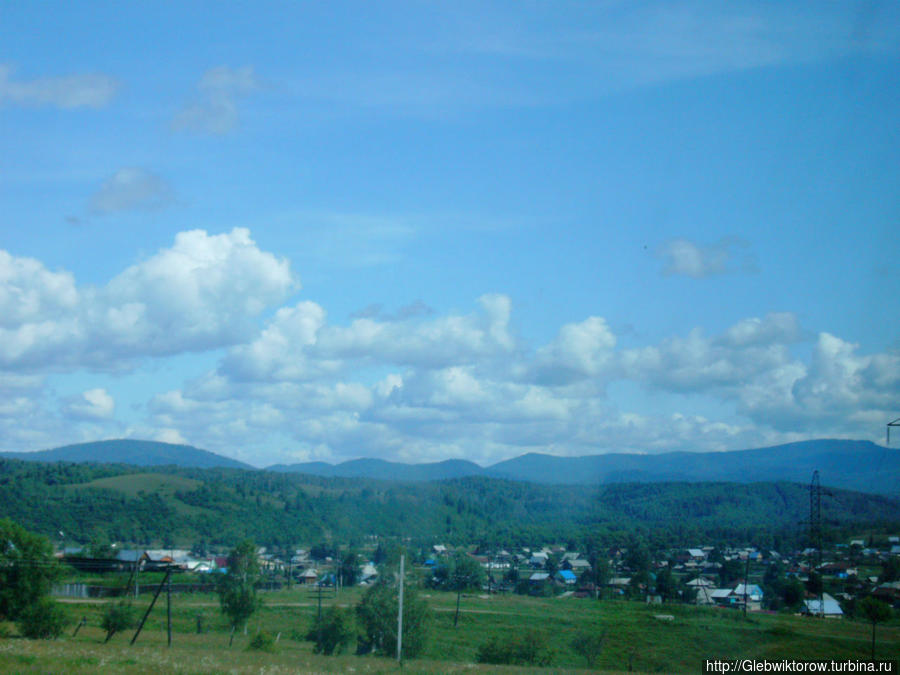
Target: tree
x,y
321,551
814,584
875,611
99,546
731,571
551,566
349,570
27,569
337,631
588,645
666,584
792,592
638,557
237,587
117,616
601,573
890,569
376,617
466,574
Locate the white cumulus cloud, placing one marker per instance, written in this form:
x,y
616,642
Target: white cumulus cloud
x,y
205,291
93,404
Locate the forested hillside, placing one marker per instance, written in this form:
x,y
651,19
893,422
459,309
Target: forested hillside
x,y
181,506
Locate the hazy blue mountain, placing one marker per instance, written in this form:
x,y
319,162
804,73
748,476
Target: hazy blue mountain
x,y
383,470
855,465
310,468
139,453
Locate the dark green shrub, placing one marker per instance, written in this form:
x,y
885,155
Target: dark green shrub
x,y
589,646
528,649
337,631
44,620
117,616
262,642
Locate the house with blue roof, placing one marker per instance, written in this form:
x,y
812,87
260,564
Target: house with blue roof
x,y
566,576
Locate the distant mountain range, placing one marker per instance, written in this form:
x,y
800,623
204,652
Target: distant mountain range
x,y
853,465
139,453
384,470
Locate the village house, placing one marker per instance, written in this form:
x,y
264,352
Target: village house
x,y
832,610
566,576
308,577
751,594
538,560
578,566
539,577
696,555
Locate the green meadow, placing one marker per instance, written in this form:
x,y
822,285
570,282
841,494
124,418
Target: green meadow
x,y
667,638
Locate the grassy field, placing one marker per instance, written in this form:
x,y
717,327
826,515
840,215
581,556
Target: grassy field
x,y
633,636
164,485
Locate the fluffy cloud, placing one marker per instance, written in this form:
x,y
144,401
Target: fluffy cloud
x,y
281,350
839,389
462,385
697,363
131,188
298,344
581,350
437,342
202,293
686,258
30,293
71,91
93,404
214,109
413,385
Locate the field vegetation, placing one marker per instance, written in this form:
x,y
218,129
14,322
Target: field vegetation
x,y
633,636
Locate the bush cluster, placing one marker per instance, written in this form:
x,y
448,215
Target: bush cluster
x,y
262,642
43,620
528,649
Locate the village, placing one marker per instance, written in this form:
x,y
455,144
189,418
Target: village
x,y
742,579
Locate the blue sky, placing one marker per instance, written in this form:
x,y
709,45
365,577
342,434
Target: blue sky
x,y
417,231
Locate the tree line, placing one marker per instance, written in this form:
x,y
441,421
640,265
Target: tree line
x,y
220,506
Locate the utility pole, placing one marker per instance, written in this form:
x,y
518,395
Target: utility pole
x,y
152,602
815,526
746,582
169,608
400,618
319,619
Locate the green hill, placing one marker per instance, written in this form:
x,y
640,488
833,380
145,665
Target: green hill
x,y
185,505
